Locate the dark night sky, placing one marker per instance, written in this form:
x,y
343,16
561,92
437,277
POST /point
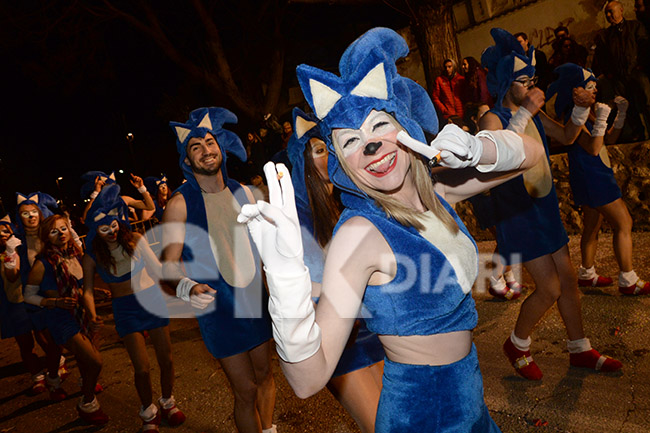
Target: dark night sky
x,y
75,85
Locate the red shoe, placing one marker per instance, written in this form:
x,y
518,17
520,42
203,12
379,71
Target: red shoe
x,y
96,417
173,416
58,394
594,360
511,292
63,372
98,388
522,361
38,387
640,288
152,425
597,281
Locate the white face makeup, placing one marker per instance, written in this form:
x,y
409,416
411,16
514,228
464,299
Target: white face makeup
x,y
107,229
30,213
377,124
59,233
591,86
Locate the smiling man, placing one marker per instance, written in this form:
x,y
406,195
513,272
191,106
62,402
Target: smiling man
x,y
220,274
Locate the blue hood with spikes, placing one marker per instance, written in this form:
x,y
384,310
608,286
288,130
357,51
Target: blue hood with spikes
x,y
44,202
107,207
570,76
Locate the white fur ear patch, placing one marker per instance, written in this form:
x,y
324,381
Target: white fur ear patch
x,y
533,58
34,199
20,198
5,219
373,84
519,65
324,98
181,133
586,74
112,176
205,123
303,126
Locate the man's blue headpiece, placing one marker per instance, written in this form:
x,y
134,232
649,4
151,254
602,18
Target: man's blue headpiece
x,y
153,183
89,181
369,81
202,121
107,207
305,127
44,202
505,61
570,76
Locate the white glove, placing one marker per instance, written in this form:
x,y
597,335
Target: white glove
x,y
12,243
519,120
621,105
457,148
509,148
579,115
600,125
199,300
275,230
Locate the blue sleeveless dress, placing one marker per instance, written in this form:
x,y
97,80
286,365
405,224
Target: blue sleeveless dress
x,y
526,207
14,320
449,397
238,320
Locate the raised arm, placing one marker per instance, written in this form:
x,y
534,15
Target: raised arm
x,y
567,134
146,203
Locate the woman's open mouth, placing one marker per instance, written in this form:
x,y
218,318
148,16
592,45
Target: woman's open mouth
x,y
381,167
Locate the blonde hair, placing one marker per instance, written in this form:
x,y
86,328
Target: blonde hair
x,y
394,208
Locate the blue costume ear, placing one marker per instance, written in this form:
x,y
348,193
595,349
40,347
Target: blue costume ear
x,y
107,207
570,76
202,121
369,81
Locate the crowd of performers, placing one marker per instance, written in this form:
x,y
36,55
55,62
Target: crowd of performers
x,y
366,198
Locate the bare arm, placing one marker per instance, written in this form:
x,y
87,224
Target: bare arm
x,y
146,203
88,297
152,264
173,237
33,282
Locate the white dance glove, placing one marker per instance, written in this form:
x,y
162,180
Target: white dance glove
x,y
600,124
621,105
275,230
12,243
519,120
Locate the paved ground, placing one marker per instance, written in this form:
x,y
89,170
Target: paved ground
x,y
567,399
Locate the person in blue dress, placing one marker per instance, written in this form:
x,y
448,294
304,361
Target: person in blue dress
x,y
529,225
400,257
124,260
592,181
160,192
356,382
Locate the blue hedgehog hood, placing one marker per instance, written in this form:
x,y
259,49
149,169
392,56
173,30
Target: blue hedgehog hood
x,y
570,76
305,127
153,183
202,121
368,81
89,181
107,207
505,61
44,202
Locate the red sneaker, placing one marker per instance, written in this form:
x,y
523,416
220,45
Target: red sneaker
x,y
522,361
511,292
96,417
58,394
38,387
98,388
151,425
597,281
63,372
173,416
594,360
640,288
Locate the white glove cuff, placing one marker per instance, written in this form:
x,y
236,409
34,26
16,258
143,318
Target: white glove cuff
x,y
599,129
519,120
183,288
142,189
31,295
579,115
619,121
509,148
93,195
10,260
296,333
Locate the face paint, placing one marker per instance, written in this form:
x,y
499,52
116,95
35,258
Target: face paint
x,y
29,213
106,229
376,125
591,86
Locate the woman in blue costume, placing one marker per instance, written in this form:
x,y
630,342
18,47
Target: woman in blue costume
x,y
529,226
55,285
160,192
400,256
31,210
592,181
125,262
356,382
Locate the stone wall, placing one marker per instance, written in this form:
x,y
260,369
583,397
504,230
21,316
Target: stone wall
x,y
631,166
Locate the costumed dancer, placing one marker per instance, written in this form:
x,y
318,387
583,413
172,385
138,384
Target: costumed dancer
x,y
593,183
31,210
125,262
220,274
399,253
158,189
529,227
55,285
96,180
356,382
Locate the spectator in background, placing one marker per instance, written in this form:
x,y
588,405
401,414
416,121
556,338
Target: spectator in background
x,y
642,14
448,92
476,90
621,50
541,63
567,53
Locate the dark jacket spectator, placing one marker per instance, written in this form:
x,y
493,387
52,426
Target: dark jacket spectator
x,y
476,90
568,51
620,48
542,68
448,92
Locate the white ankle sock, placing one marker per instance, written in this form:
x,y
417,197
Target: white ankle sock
x,y
520,344
89,407
273,429
578,346
149,413
61,361
510,276
627,279
587,273
498,284
38,376
167,403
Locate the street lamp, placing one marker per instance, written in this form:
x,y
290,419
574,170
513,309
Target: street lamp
x,y
58,185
